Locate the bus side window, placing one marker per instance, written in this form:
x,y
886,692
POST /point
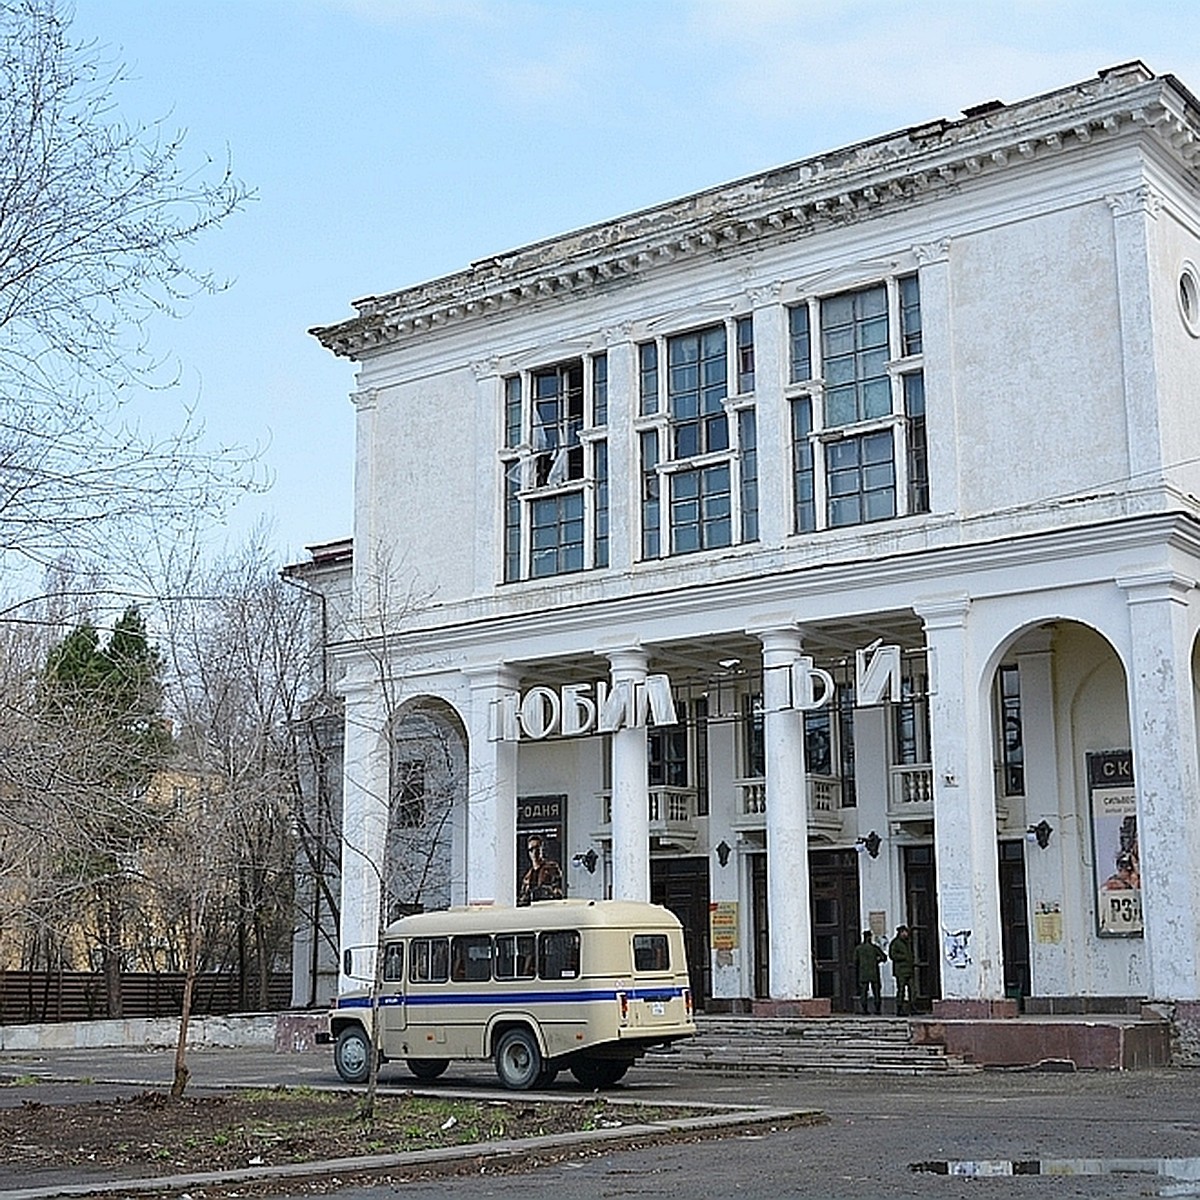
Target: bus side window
x,y
430,960
471,959
558,954
393,962
651,952
516,956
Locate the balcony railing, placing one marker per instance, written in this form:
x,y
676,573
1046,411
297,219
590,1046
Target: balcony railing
x,y
911,793
824,803
672,812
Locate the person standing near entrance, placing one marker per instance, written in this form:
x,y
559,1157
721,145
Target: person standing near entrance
x,y
867,957
904,967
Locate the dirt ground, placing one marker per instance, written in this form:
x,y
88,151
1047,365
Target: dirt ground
x,y
151,1134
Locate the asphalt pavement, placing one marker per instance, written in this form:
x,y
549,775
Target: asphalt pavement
x,y
992,1134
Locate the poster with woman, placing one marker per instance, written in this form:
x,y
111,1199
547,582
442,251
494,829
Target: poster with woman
x,y
1116,861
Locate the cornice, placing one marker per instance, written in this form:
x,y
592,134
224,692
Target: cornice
x,y
794,201
919,576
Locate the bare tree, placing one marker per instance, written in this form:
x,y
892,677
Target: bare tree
x,y
96,218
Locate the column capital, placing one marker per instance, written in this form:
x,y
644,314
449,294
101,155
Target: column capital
x,y
943,612
491,676
779,640
1156,584
630,659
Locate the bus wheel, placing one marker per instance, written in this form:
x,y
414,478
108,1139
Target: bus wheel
x,y
599,1072
518,1060
427,1068
352,1054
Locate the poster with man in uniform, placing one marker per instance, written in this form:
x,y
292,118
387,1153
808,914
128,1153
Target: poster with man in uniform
x,y
540,838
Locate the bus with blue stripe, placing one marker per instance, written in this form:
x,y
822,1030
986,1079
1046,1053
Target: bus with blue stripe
x,y
586,986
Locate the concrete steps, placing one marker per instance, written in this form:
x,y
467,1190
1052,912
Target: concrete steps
x,y
782,1045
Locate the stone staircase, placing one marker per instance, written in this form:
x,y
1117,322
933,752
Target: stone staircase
x,y
782,1045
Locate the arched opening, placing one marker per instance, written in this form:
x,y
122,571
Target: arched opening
x,y
427,789
1066,815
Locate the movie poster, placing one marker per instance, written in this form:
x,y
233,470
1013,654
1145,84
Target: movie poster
x,y
541,836
1116,861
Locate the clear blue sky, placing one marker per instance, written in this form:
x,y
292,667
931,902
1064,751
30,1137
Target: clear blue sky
x,y
390,141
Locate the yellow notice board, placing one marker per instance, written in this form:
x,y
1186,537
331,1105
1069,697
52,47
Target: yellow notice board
x,y
723,924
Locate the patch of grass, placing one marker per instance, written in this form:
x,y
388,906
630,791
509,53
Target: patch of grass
x,y
20,1081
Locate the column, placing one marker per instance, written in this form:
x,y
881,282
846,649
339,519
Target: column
x,y
1163,725
630,788
364,829
491,789
964,809
789,915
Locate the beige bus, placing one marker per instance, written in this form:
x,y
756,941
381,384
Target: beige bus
x,y
582,985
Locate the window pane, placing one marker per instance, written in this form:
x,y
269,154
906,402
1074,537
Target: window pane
x,y
798,336
651,952
558,954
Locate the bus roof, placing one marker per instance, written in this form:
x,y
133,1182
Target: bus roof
x,y
545,914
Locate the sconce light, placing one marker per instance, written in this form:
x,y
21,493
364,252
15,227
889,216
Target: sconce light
x,y
588,861
724,849
1040,833
870,843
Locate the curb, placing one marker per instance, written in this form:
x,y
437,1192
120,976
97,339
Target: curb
x,y
476,1153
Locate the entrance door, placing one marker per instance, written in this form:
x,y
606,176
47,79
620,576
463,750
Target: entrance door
x,y
834,909
681,884
835,931
758,914
920,890
1014,920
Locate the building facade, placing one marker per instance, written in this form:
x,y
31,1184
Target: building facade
x,y
814,554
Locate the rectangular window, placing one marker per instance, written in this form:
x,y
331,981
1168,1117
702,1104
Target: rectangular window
x,y
701,516
754,741
845,709
651,502
512,411
918,450
648,379
471,959
393,962
910,316
696,389
745,355
912,723
748,444
600,390
861,479
854,341
512,521
800,344
651,952
557,422
700,782
600,550
556,534
1012,737
558,954
516,956
818,741
803,467
667,753
430,960
409,793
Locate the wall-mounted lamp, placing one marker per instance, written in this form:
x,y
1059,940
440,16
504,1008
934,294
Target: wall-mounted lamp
x,y
1040,833
870,844
587,861
724,850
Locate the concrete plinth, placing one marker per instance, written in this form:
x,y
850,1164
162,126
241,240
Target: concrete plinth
x,y
974,1010
817,1007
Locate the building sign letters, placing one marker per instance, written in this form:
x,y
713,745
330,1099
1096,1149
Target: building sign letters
x,y
577,709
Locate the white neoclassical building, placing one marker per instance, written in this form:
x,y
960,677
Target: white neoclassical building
x,y
814,554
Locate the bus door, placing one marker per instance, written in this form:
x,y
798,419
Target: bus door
x,y
392,1014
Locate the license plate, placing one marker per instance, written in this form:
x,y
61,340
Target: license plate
x,y
658,1008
